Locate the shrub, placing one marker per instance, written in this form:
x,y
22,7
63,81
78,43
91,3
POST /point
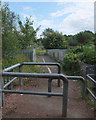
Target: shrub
x,y
88,55
71,63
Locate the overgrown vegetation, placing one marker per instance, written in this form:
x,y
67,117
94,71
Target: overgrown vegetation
x,y
71,64
53,39
42,51
88,55
16,36
85,53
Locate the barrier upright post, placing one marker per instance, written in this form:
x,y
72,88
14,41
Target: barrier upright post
x,y
20,78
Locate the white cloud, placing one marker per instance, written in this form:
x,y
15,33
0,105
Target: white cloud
x,y
76,7
27,8
73,24
81,17
45,23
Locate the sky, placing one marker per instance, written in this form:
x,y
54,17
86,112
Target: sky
x,y
68,16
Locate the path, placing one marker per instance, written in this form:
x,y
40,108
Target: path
x,y
33,106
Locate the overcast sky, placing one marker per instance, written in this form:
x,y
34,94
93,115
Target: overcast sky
x,y
68,17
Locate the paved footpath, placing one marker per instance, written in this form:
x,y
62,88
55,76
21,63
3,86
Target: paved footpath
x,y
33,106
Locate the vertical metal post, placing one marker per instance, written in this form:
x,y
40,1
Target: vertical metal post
x,y
49,86
8,81
20,78
11,85
65,97
94,76
59,71
83,88
95,108
3,94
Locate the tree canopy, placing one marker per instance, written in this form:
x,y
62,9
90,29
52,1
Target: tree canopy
x,y
53,39
16,35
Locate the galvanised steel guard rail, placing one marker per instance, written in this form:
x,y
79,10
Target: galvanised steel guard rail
x,y
92,80
41,75
71,78
89,76
46,63
32,63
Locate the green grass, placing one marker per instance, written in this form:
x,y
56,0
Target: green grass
x,y
38,51
26,69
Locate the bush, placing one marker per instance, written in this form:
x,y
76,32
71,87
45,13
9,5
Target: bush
x,y
88,55
11,60
77,49
71,63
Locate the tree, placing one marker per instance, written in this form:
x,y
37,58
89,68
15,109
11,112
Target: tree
x,y
9,32
72,41
54,40
47,32
28,34
85,37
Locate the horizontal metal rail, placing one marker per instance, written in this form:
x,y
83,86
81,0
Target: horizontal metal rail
x,y
83,82
10,82
42,75
33,92
31,63
88,75
41,63
93,81
92,75
12,67
91,93
35,75
46,63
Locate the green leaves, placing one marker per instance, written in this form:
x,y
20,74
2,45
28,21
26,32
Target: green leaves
x,y
71,63
85,37
54,40
16,35
28,36
88,55
9,34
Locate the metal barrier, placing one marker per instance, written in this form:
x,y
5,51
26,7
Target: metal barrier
x,y
81,79
41,75
71,78
46,63
31,63
89,76
93,81
8,72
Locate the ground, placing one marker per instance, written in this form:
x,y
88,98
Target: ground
x,y
33,106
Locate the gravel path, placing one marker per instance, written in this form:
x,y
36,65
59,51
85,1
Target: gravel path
x,y
33,106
